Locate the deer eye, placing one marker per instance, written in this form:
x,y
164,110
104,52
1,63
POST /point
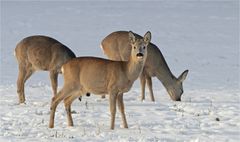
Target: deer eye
x,y
144,47
134,47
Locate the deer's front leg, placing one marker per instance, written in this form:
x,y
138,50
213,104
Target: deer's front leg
x,y
121,109
112,102
143,83
149,83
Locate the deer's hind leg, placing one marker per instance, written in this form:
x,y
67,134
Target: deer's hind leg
x,y
54,81
29,73
24,73
66,91
68,102
20,84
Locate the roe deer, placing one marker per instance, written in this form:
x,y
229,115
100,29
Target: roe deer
x,y
117,47
101,76
40,53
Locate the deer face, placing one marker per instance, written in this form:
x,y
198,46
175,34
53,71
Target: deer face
x,y
176,89
139,46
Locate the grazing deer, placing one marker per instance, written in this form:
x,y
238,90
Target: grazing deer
x,y
117,47
40,53
102,76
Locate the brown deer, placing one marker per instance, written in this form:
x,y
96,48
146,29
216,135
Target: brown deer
x,y
116,46
101,76
40,53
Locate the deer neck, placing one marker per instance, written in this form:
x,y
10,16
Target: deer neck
x,y
134,68
165,75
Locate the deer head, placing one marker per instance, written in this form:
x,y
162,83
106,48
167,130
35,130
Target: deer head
x,y
175,90
139,46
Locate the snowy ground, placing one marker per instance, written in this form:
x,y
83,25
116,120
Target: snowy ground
x,y
202,36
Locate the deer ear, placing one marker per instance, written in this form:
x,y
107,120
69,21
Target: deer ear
x,y
132,38
147,37
183,76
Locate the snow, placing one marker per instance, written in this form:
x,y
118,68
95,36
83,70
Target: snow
x,y
202,36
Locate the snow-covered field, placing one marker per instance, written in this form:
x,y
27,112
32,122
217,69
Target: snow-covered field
x,y
202,36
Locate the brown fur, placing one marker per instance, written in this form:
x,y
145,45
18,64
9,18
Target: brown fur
x,y
101,76
117,47
40,53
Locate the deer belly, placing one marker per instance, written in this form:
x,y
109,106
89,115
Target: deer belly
x,y
97,90
94,86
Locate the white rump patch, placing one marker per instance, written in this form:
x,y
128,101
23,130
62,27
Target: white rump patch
x,y
101,46
62,70
102,49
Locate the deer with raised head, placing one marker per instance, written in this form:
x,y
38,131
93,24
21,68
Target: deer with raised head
x,y
101,76
116,46
36,53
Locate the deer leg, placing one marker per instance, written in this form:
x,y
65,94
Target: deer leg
x,y
149,84
29,72
68,102
112,102
20,84
65,92
68,110
143,83
121,109
54,81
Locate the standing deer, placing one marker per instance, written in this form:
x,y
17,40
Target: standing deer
x,y
117,47
101,76
40,53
